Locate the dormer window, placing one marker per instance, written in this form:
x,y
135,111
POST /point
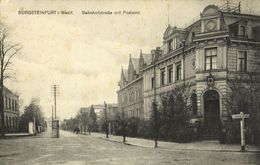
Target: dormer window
x,y
170,46
239,29
192,36
242,30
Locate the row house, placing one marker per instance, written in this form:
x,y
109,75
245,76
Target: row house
x,y
220,46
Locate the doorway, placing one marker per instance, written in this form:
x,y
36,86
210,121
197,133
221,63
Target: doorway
x,y
211,113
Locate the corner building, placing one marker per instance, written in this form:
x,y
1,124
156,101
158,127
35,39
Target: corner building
x,y
221,45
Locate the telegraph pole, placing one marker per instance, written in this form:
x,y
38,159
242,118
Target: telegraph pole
x,y
55,121
55,96
52,113
55,93
52,119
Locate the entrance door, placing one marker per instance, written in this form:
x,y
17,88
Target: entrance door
x,y
211,113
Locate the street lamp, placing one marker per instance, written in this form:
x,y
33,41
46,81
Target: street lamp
x,y
154,104
123,123
106,119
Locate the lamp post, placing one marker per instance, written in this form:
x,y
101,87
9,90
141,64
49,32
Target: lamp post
x,y
106,119
183,58
123,123
154,105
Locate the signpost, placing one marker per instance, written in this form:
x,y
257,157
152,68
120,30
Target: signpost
x,y
242,117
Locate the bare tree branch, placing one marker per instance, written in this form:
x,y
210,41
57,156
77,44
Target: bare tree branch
x,y
10,48
10,57
8,77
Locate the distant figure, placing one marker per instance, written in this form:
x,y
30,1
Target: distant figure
x,y
76,130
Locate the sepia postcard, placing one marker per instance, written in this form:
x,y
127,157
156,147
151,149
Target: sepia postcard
x,y
131,82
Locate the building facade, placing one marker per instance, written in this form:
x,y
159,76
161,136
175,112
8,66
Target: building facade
x,y
11,111
130,94
222,45
111,114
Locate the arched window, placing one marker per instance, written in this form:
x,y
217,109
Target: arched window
x,y
194,104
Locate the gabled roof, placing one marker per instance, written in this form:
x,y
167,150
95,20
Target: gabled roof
x,y
147,58
7,91
171,30
125,74
135,62
231,19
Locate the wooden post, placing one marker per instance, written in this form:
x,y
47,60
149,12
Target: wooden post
x,y
34,126
242,117
242,125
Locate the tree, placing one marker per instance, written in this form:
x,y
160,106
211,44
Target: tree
x,y
243,96
92,119
7,52
85,121
69,124
31,112
174,116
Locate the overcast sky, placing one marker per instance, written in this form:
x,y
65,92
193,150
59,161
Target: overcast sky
x,y
83,54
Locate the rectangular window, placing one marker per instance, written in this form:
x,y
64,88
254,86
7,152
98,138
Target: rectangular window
x,y
152,81
9,104
6,121
211,58
242,30
170,46
170,74
163,76
174,43
242,61
178,71
6,103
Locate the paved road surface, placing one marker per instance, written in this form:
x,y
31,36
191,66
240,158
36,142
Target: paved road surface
x,y
72,149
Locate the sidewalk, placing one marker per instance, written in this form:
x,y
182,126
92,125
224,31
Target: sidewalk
x,y
17,134
46,133
205,145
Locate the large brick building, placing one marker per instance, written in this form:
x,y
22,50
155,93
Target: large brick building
x,y
221,45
